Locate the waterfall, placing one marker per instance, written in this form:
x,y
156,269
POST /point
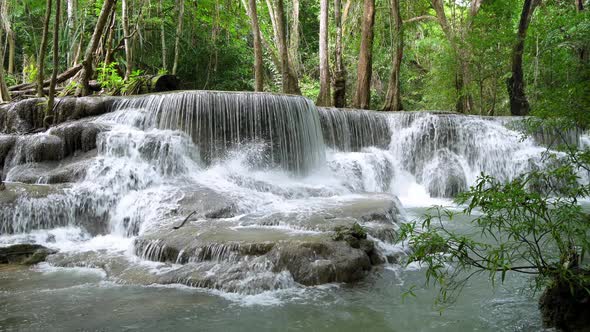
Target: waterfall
x,y
287,126
259,181
352,130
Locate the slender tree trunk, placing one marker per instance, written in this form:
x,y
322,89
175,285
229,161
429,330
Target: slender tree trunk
x,y
163,37
290,82
178,33
55,57
11,51
339,98
580,5
87,63
127,41
109,52
4,94
519,104
42,49
10,36
393,100
362,96
324,98
273,20
294,39
258,65
71,30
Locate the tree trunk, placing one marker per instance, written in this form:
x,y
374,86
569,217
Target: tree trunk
x,y
109,51
294,40
362,96
163,37
580,5
11,51
324,98
290,82
71,28
258,65
178,33
519,104
127,40
339,98
4,94
393,100
87,64
55,57
42,49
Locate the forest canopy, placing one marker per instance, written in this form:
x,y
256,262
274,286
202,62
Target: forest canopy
x,y
381,54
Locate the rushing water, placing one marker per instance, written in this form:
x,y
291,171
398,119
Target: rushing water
x,y
270,154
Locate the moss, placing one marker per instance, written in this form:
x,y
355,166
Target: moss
x,y
352,235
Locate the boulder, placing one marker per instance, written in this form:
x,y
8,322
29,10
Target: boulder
x,y
68,170
29,115
35,148
24,254
77,136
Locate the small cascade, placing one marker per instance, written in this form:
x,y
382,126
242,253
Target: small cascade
x,y
218,122
351,130
467,144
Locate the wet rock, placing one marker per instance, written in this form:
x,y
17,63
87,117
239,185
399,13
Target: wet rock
x,y
233,253
24,254
77,136
207,203
29,115
67,170
379,215
319,262
35,148
27,207
566,310
6,144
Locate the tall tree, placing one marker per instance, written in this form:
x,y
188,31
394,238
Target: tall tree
x,y
294,39
127,38
71,30
4,94
258,65
519,105
178,34
289,78
339,98
324,98
362,95
55,57
10,35
88,62
393,100
163,36
42,49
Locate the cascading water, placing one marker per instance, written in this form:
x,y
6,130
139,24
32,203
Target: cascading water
x,y
263,190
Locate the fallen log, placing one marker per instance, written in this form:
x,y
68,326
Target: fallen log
x,y
152,83
66,75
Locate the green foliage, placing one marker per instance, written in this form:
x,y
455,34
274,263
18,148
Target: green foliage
x,y
109,78
31,72
131,86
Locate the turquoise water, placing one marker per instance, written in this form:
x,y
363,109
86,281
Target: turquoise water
x,y
45,298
